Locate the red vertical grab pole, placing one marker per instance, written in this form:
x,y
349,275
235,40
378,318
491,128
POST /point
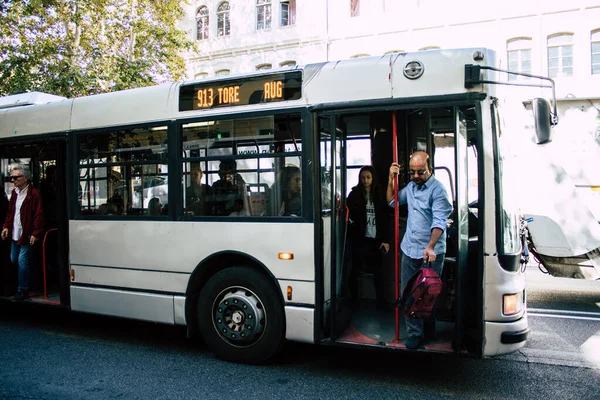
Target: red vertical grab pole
x,y
396,218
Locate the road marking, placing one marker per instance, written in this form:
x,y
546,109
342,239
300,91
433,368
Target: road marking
x,y
563,317
554,311
553,357
564,314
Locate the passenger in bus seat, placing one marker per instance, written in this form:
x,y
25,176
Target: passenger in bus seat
x,y
24,224
117,203
197,194
286,193
368,233
154,206
105,209
239,209
229,188
425,237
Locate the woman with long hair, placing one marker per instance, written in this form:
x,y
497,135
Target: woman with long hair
x,y
154,206
288,193
368,229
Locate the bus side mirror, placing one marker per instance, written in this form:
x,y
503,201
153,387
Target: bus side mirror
x,y
542,118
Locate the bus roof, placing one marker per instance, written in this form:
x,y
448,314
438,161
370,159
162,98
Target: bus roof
x,y
27,99
396,75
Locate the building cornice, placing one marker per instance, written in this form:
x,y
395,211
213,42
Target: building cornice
x,y
236,51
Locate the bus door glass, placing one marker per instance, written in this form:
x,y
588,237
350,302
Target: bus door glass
x,y
461,210
333,215
455,170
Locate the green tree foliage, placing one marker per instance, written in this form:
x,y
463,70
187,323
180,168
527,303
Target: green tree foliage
x,y
81,47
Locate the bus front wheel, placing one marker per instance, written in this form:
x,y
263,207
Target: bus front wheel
x,y
240,315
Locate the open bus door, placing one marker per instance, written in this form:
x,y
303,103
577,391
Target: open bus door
x,y
455,164
333,221
48,265
461,206
442,132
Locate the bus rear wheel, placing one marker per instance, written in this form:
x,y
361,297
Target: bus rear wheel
x,y
240,316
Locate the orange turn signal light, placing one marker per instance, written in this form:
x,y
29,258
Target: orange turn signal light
x,y
286,256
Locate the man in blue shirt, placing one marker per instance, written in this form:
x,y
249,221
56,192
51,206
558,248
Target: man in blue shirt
x,y
425,237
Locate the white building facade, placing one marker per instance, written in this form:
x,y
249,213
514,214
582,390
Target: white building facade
x,y
551,38
543,37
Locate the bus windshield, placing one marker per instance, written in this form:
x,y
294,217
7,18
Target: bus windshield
x,y
507,192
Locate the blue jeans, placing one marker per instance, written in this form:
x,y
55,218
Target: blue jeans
x,y
414,326
20,255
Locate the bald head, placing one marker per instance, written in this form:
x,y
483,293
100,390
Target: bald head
x,y
420,157
420,170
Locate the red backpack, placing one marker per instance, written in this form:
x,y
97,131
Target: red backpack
x,y
419,295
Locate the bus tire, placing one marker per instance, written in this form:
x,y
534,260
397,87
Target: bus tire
x,y
240,316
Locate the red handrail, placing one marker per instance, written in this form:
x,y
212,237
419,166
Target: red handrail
x,y
44,259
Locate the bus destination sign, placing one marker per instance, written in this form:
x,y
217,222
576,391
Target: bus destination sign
x,y
238,92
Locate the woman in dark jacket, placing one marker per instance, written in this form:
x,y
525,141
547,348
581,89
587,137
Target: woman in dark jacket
x,y
368,231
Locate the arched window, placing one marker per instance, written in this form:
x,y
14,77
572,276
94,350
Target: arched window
x,y
290,63
393,51
222,72
262,67
429,48
518,54
202,23
360,55
560,55
595,41
263,14
201,75
288,12
223,26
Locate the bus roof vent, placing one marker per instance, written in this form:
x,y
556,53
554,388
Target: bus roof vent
x,y
28,99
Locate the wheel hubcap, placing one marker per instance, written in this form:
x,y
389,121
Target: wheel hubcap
x,y
239,316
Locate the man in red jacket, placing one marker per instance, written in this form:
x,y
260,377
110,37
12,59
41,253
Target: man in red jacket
x,y
24,223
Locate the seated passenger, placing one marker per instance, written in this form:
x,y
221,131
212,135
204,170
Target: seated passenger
x,y
108,209
154,206
229,188
118,202
196,195
238,209
287,193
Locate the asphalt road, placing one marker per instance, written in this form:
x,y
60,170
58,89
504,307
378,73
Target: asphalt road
x,y
51,354
564,315
47,353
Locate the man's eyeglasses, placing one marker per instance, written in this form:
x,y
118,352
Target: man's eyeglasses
x,y
419,172
15,177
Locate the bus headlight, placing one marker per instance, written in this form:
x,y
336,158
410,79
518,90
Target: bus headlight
x,y
512,303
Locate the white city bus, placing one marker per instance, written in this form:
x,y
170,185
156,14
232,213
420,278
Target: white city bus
x,y
228,259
